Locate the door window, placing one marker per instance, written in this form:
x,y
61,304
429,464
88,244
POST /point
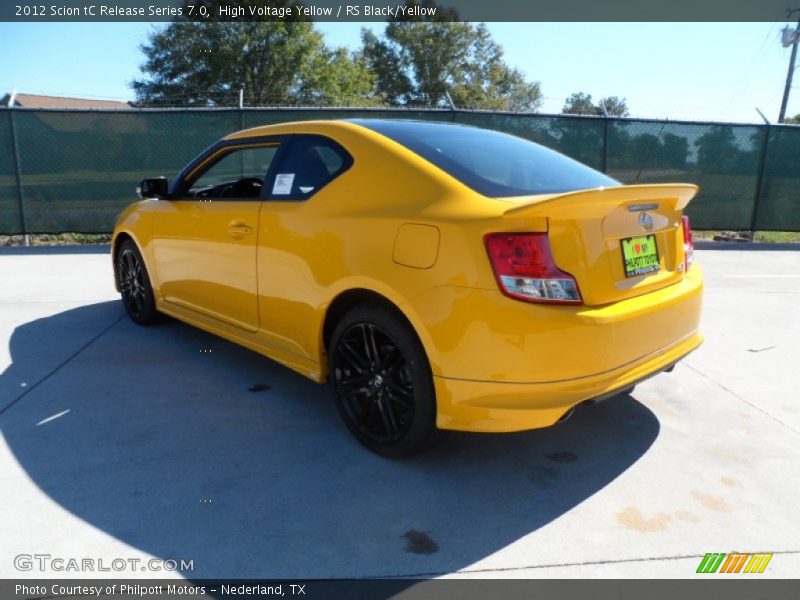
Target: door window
x,y
238,174
310,163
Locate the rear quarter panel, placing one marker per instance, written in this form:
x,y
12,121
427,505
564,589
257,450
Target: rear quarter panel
x,y
345,236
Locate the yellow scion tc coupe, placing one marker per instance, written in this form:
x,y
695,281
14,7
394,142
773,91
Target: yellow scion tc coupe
x,y
437,276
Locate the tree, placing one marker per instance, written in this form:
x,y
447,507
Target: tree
x,y
338,78
795,120
420,62
718,152
581,103
676,151
199,63
615,106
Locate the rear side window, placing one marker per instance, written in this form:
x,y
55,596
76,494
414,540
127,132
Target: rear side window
x,y
491,163
310,163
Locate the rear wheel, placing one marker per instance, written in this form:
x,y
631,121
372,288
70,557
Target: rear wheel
x,y
134,284
382,382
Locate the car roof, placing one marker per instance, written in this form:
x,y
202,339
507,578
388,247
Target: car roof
x,y
331,125
411,122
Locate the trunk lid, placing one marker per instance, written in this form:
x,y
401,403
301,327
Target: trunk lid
x,y
586,230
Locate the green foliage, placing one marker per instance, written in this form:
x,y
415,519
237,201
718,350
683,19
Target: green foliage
x,y
413,63
720,151
200,63
581,103
615,106
338,78
675,151
795,120
417,63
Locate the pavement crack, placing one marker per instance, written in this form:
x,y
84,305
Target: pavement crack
x,y
761,349
742,398
62,364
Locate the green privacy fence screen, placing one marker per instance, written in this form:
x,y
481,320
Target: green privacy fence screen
x,y
73,171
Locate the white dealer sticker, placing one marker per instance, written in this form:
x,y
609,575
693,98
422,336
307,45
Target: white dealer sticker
x,y
283,183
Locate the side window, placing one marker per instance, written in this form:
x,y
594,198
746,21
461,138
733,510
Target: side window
x,y
310,163
238,174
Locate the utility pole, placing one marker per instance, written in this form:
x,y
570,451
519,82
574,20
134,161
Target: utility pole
x,y
790,73
450,100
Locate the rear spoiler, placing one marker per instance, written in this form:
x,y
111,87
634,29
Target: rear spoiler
x,y
598,202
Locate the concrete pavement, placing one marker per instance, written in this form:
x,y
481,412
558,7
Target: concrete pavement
x,y
135,443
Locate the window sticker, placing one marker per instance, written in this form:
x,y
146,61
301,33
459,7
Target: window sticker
x,y
283,183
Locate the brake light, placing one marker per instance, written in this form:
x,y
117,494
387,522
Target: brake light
x,y
524,268
688,243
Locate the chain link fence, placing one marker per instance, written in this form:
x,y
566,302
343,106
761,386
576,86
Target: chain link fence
x,y
74,171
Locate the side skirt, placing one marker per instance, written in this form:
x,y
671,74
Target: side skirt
x,y
251,341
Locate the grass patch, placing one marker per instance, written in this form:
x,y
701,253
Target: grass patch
x,y
761,237
778,237
59,239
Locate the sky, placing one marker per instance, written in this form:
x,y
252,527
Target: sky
x,y
694,71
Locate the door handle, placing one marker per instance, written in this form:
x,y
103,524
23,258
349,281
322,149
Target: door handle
x,y
238,229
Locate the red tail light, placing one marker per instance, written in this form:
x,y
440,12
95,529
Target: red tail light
x,y
688,242
524,268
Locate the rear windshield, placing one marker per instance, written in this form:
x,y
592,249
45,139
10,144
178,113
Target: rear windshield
x,y
491,163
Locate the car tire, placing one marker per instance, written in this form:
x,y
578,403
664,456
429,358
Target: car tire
x,y
382,382
134,283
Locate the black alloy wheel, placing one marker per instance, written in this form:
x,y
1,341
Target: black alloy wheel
x,y
134,285
381,378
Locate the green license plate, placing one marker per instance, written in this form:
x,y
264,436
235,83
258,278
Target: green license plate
x,y
640,255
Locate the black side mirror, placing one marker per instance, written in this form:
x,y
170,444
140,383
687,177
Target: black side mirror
x,y
153,188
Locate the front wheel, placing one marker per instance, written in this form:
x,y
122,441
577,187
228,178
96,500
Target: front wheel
x,y
383,383
134,284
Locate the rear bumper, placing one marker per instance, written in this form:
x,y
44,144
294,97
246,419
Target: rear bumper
x,y
493,406
504,365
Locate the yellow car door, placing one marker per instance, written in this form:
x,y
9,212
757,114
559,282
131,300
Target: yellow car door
x,y
296,236
205,237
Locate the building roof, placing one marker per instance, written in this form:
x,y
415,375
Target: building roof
x,y
36,101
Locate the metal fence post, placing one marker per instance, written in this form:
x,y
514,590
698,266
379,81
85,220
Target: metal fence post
x,y
18,173
604,157
762,162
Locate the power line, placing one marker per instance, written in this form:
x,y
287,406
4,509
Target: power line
x,y
750,71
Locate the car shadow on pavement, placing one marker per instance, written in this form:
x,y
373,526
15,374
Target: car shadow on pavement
x,y
189,447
